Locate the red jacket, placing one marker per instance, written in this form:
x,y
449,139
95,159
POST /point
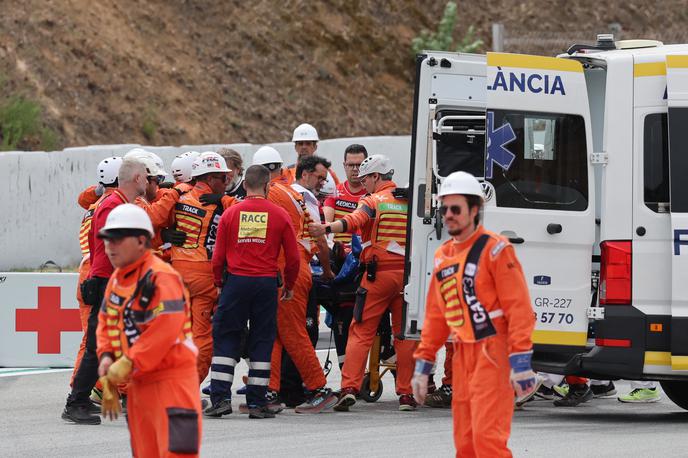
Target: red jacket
x,y
343,203
249,238
100,264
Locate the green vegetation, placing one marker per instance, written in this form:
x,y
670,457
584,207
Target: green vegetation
x,y
20,122
443,39
150,124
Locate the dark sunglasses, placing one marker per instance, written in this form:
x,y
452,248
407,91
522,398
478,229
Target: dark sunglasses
x,y
222,178
158,179
455,209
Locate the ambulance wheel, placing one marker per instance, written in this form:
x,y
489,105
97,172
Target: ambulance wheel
x,y
677,391
366,394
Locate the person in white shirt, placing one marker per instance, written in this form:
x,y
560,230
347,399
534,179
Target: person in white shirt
x,y
311,175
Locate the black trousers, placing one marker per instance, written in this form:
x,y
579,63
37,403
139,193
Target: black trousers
x,y
87,374
244,299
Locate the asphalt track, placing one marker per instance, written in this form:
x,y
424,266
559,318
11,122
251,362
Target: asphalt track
x,y
31,403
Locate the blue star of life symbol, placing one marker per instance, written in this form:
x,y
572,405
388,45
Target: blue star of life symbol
x,y
497,139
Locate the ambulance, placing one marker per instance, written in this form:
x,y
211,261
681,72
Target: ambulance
x,y
583,159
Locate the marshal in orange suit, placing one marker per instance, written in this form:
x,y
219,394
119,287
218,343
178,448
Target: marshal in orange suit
x,y
478,295
144,339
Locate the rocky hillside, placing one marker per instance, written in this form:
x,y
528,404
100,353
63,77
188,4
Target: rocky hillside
x,y
205,71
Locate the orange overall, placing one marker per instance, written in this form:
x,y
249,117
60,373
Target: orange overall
x,y
291,315
448,370
84,268
381,220
192,261
88,197
483,397
163,406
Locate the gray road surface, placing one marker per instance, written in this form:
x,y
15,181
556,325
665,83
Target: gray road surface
x,y
30,425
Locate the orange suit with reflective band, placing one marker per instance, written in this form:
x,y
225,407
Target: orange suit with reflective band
x,y
84,267
483,397
163,406
88,197
159,213
192,261
381,220
291,315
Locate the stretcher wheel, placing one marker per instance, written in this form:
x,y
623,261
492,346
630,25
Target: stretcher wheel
x,y
366,394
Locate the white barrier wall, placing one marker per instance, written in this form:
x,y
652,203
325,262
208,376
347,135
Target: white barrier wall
x,y
40,217
39,320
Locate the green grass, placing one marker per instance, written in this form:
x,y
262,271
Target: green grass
x,y
21,122
149,127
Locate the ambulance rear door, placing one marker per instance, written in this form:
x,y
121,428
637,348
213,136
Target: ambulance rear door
x,y
448,135
540,187
677,119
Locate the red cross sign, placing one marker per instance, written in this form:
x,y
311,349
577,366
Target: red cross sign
x,y
49,320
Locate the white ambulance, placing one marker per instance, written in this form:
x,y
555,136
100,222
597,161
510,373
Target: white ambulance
x,y
584,162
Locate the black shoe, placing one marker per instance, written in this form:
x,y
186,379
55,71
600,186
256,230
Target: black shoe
x,y
223,407
603,391
577,394
272,408
260,412
441,398
81,415
346,398
274,402
94,408
546,393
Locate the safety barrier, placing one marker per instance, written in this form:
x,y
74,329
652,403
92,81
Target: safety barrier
x,y
39,218
39,319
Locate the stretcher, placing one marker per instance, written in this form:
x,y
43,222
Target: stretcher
x,y
378,364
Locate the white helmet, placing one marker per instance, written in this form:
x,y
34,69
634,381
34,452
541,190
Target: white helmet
x,y
126,216
267,155
139,152
461,183
182,166
133,152
158,162
329,188
208,162
148,159
377,163
108,169
305,133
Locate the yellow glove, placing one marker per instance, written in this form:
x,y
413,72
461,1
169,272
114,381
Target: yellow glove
x,y
120,370
110,406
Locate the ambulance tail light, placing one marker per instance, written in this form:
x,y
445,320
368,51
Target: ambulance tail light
x,y
615,272
624,343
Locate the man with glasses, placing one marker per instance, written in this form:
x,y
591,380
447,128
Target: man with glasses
x,y
311,175
478,296
192,258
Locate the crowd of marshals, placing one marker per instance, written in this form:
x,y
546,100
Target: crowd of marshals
x,y
181,280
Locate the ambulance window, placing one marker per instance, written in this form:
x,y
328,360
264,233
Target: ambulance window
x,y
656,163
460,150
542,164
